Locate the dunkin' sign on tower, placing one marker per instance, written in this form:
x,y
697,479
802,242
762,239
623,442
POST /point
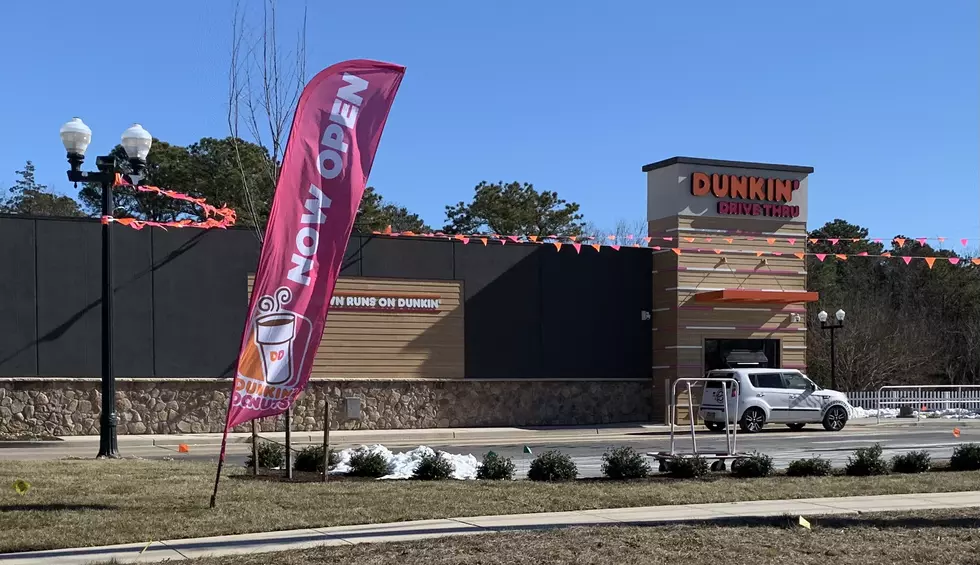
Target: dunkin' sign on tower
x,y
332,143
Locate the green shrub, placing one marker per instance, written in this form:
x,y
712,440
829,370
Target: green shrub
x,y
310,459
624,463
433,467
687,467
866,462
495,468
271,455
966,457
812,467
552,466
364,463
912,462
752,466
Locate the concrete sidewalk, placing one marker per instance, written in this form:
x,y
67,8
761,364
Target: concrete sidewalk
x,y
405,531
357,437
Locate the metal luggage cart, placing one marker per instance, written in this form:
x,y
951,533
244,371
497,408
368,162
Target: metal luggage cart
x,y
731,431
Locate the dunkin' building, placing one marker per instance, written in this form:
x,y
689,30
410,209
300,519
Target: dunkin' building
x,y
423,331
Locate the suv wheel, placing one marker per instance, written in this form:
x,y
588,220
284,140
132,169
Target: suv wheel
x,y
835,419
715,426
752,420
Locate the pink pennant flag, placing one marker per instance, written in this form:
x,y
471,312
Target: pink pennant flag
x,y
333,139
820,256
792,241
647,239
942,239
503,242
907,259
777,253
630,236
465,240
668,239
833,241
921,240
964,242
577,247
656,248
707,240
513,238
863,254
877,240
615,247
954,260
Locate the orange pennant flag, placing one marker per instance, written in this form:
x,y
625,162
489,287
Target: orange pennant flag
x,y
183,448
676,250
689,239
387,230
841,257
886,254
956,432
729,240
900,241
758,253
930,261
408,233
800,255
647,239
533,238
596,246
484,240
558,246
771,240
814,241
571,237
718,251
975,261
611,237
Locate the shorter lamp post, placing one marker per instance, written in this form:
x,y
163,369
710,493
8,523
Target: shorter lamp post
x,y
832,326
76,137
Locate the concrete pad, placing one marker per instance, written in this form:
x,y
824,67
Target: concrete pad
x,y
127,553
402,531
252,543
539,519
763,508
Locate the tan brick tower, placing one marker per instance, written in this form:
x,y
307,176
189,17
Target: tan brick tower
x,y
729,287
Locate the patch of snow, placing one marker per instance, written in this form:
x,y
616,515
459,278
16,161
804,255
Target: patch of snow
x,y
946,413
404,464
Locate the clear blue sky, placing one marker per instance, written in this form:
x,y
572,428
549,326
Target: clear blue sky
x,y
881,97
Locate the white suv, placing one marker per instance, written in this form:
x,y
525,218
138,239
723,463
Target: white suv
x,y
780,396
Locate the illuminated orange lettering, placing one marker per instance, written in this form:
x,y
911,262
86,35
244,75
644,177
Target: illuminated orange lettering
x,y
700,184
738,187
784,190
719,185
757,190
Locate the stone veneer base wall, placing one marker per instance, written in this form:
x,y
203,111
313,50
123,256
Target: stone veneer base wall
x,y
66,406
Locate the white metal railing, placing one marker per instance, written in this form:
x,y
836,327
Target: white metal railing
x,y
727,384
923,398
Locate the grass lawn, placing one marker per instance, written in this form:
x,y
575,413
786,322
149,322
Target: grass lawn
x,y
945,537
84,503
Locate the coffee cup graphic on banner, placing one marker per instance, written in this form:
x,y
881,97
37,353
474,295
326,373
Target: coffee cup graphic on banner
x,y
274,334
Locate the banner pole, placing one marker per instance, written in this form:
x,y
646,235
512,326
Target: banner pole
x,y
289,444
326,437
221,462
255,449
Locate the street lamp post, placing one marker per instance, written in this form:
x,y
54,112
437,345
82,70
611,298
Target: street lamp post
x,y
832,326
76,136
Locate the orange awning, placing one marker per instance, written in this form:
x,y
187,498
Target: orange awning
x,y
756,296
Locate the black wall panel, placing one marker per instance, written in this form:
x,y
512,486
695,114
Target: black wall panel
x,y
391,257
132,268
502,310
200,299
69,315
18,298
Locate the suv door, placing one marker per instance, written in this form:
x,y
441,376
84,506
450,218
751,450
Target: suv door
x,y
804,405
771,389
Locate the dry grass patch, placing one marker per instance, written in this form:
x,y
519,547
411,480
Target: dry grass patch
x,y
85,503
931,537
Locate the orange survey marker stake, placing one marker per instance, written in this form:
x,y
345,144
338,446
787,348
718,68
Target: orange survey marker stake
x,y
183,448
956,432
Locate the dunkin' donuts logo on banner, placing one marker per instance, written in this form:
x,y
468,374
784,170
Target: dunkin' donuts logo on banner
x,y
274,354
